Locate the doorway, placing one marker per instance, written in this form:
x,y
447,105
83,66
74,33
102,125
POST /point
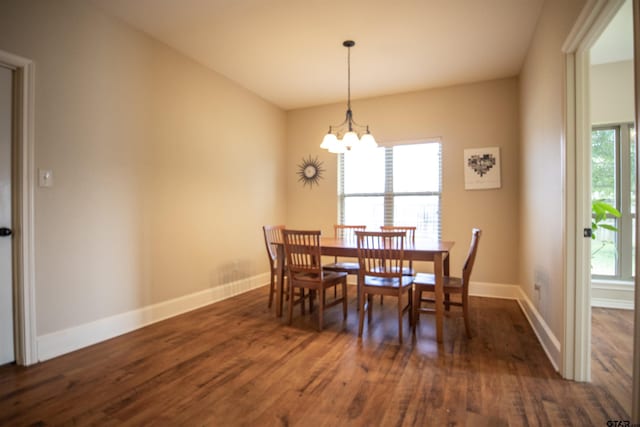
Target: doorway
x,y
7,341
21,291
612,139
593,21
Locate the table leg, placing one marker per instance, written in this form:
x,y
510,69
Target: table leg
x,y
439,266
445,270
280,284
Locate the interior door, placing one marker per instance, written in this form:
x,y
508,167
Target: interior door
x,y
7,351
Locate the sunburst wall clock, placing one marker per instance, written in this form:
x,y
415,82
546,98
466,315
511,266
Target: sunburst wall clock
x,y
310,171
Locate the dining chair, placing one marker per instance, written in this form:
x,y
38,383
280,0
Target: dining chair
x,y
304,263
272,234
381,259
411,237
348,233
345,232
425,282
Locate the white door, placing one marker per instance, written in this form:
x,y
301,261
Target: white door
x,y
7,353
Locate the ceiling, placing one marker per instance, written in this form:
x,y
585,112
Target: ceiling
x,y
616,42
290,52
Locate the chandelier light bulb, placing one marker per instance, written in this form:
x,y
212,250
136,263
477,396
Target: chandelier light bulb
x,y
350,139
368,141
328,141
338,147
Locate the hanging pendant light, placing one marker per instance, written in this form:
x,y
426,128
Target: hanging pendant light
x,y
345,136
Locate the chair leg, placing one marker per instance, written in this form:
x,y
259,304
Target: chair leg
x,y
361,316
291,299
400,317
417,301
369,308
447,299
321,298
272,288
410,307
465,314
344,299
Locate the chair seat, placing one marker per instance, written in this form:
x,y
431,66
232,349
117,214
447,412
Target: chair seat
x,y
327,276
386,282
347,267
428,280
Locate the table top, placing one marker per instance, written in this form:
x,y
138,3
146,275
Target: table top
x,y
420,245
421,250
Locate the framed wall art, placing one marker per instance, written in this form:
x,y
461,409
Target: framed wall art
x,y
482,168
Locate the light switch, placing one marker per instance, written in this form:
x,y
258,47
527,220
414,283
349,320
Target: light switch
x,y
45,178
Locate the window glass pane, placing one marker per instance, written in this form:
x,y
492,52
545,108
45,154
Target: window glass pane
x,y
603,251
364,171
367,211
603,165
416,167
421,211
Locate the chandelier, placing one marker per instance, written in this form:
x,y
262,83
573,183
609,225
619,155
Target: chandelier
x,y
348,135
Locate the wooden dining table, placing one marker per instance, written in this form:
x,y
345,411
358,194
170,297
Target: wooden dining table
x,y
436,251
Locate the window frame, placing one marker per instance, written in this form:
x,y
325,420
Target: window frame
x,y
622,192
389,195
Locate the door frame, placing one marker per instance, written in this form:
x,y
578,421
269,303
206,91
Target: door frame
x,y
635,395
576,354
23,183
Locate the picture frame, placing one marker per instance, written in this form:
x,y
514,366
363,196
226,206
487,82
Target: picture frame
x,y
482,168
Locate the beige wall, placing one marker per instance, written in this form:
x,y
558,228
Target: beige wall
x,y
541,192
468,116
161,185
612,93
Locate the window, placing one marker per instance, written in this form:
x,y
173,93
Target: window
x,y
613,180
396,185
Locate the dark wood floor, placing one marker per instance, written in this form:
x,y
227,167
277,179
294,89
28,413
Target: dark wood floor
x,y
612,352
234,363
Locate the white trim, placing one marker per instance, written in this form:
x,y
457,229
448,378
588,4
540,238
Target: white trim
x,y
616,303
576,356
25,271
612,294
493,290
68,340
550,344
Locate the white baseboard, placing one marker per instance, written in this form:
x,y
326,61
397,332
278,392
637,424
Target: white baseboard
x,y
550,344
612,303
612,294
493,290
68,340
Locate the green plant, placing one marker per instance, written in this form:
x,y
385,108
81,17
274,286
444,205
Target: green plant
x,y
600,210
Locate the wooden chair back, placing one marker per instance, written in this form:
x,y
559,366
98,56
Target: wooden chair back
x,y
408,230
347,232
272,234
381,253
302,252
471,257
